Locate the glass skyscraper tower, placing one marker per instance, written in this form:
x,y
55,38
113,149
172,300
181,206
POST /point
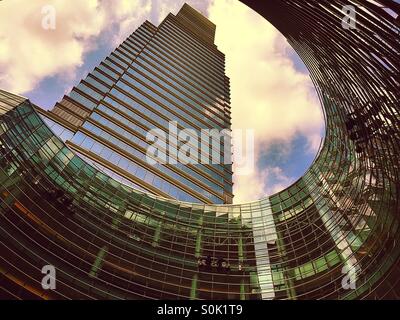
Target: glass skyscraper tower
x,y
173,72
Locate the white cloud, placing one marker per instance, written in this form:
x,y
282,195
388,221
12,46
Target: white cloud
x,y
30,53
257,185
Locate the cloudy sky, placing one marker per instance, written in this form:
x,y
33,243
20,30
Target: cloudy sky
x,y
271,91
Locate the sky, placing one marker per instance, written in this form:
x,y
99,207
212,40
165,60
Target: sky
x,y
271,92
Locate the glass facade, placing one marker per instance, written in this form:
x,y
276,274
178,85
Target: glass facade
x,y
111,241
172,72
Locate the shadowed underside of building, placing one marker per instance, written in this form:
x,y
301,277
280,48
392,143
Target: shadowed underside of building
x,y
108,241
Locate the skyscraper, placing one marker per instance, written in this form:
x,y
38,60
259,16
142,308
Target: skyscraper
x,y
159,77
333,234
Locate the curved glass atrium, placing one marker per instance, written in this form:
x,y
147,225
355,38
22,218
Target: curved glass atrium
x,y
110,241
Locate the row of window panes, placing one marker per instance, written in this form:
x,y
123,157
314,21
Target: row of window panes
x,y
138,171
122,119
199,111
160,77
161,121
205,94
111,173
102,77
144,32
115,159
144,144
101,133
191,55
130,46
156,95
97,84
188,55
184,73
82,100
141,33
135,46
123,56
154,105
228,187
128,51
149,27
117,60
122,59
143,121
180,77
207,59
138,38
204,49
106,70
63,133
217,55
89,91
161,49
111,64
